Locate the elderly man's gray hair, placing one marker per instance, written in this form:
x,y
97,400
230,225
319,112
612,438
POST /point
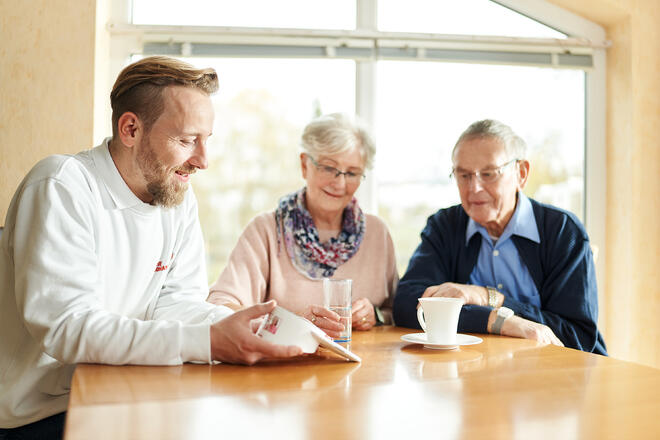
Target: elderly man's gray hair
x,y
515,147
336,133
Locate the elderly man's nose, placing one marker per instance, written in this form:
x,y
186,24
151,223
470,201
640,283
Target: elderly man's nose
x,y
475,183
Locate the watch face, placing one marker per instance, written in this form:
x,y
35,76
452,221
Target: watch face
x,y
504,312
379,316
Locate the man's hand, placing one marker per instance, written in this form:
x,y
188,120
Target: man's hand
x,y
518,327
233,340
470,294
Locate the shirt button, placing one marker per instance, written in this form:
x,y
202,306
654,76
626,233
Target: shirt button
x,y
496,253
499,286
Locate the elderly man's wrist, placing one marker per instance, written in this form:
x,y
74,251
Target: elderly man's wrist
x,y
491,319
494,298
486,297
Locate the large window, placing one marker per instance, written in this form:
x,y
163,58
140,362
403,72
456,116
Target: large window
x,y
418,122
418,71
253,154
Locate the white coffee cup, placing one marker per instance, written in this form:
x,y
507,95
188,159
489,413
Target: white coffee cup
x,y
439,318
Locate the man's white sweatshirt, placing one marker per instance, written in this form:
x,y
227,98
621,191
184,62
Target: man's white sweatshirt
x,y
89,273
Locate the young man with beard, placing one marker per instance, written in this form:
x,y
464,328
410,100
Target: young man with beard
x,y
102,257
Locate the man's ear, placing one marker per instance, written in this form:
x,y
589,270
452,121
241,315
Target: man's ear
x,y
523,173
129,128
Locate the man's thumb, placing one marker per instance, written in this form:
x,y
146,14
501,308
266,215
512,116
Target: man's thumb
x,y
258,310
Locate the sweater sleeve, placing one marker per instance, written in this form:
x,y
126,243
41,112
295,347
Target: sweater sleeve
x,y
436,261
392,275
182,297
568,289
58,292
441,257
244,281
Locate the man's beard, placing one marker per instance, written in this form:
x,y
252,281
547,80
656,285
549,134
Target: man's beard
x,y
165,189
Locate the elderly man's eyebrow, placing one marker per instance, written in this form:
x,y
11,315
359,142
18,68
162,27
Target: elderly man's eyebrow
x,y
463,170
487,167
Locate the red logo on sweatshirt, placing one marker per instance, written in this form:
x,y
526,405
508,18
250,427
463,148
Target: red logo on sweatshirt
x,y
160,267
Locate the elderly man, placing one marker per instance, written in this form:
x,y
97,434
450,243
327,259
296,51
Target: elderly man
x,y
102,257
524,269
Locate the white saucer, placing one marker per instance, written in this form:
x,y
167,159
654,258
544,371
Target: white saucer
x,y
461,339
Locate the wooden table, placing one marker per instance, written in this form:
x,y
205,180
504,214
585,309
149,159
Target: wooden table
x,y
502,388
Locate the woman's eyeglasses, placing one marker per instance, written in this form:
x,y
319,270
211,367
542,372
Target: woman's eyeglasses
x,y
328,172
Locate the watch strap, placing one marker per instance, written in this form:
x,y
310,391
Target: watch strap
x,y
492,296
496,329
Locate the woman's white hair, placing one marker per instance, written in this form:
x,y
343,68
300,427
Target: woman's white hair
x,y
514,146
336,133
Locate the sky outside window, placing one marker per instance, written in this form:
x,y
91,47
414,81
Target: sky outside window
x,y
464,17
300,14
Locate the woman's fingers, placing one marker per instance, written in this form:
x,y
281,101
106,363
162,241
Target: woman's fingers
x,y
328,324
363,316
319,311
326,320
360,304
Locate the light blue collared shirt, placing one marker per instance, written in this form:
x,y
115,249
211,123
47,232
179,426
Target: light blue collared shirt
x,y
500,265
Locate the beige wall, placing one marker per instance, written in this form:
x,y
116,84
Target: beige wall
x,y
47,89
46,79
632,300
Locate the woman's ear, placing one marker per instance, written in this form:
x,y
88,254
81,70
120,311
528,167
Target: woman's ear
x,y
303,165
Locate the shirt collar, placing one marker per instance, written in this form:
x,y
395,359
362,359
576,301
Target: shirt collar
x,y
121,194
522,223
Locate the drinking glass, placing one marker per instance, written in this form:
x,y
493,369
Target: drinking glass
x,y
338,298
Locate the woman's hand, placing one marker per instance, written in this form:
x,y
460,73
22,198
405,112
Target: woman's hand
x,y
324,319
363,316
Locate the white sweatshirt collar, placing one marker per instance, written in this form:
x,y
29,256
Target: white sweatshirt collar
x,y
121,194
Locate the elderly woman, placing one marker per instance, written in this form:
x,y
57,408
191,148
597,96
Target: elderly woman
x,y
316,232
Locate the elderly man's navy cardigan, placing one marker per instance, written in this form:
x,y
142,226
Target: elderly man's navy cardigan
x,y
561,266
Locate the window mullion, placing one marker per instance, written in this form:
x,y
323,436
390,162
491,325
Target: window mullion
x,y
365,89
595,161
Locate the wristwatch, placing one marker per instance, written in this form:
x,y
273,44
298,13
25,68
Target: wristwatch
x,y
380,319
492,296
502,314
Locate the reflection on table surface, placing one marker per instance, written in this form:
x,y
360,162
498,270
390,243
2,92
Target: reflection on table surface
x,y
501,388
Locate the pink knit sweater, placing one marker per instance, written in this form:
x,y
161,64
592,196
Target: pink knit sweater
x,y
258,271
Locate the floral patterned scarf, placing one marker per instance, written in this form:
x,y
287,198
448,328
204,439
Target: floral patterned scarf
x,y
310,257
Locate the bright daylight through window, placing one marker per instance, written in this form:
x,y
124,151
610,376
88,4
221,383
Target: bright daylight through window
x,y
419,110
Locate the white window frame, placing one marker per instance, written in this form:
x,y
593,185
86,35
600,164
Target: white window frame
x,y
366,45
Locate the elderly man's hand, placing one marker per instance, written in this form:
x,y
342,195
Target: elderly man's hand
x,y
233,340
470,294
518,327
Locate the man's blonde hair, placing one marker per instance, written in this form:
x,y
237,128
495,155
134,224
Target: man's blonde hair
x,y
139,87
